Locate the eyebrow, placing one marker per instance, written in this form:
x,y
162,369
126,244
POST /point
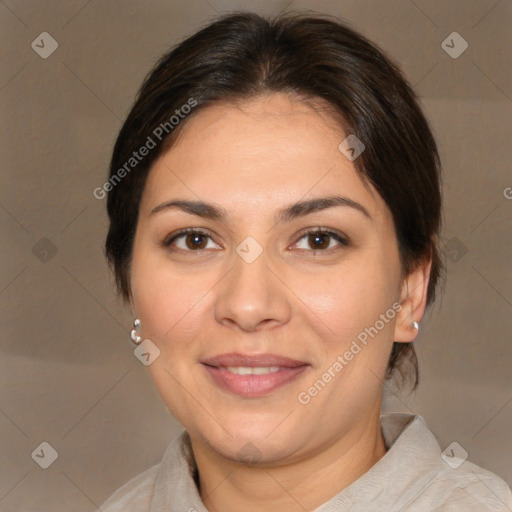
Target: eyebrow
x,y
293,211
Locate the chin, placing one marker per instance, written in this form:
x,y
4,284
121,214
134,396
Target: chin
x,y
255,441
252,451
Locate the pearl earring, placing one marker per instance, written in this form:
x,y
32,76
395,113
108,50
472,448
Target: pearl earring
x,y
133,335
416,325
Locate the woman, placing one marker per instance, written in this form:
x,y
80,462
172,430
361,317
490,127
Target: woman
x,y
275,205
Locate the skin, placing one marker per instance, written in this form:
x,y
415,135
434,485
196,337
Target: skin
x,y
253,159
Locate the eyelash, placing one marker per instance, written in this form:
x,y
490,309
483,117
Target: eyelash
x,y
313,231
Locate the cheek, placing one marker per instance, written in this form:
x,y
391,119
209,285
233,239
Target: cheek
x,y
349,298
156,293
171,312
169,304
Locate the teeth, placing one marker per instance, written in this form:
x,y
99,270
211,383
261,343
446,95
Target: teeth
x,y
256,370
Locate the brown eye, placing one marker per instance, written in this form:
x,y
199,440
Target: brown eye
x,y
195,241
189,240
321,240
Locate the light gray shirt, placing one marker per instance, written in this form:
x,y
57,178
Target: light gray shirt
x,y
413,476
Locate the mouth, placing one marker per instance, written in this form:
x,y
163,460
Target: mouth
x,y
252,376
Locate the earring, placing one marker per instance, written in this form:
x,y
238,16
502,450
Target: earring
x,y
416,325
133,335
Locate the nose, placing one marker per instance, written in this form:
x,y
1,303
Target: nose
x,y
252,296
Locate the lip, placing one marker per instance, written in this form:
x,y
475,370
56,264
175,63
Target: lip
x,y
252,386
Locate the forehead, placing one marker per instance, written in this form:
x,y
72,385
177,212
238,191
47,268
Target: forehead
x,y
264,152
277,122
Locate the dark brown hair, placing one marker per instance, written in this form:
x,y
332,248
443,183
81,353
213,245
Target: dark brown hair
x,y
243,55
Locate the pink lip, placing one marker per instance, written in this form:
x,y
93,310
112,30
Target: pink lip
x,y
251,386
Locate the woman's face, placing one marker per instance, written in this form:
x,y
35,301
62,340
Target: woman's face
x,y
253,290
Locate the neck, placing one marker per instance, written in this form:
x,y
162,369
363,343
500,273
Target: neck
x,y
228,486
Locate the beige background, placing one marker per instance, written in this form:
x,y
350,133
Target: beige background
x,y
68,373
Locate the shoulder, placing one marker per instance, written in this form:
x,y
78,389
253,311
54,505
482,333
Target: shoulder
x,y
434,481
464,488
135,495
471,488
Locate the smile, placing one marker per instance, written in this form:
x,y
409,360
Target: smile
x,y
252,376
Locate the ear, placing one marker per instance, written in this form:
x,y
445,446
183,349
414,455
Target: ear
x,y
413,299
